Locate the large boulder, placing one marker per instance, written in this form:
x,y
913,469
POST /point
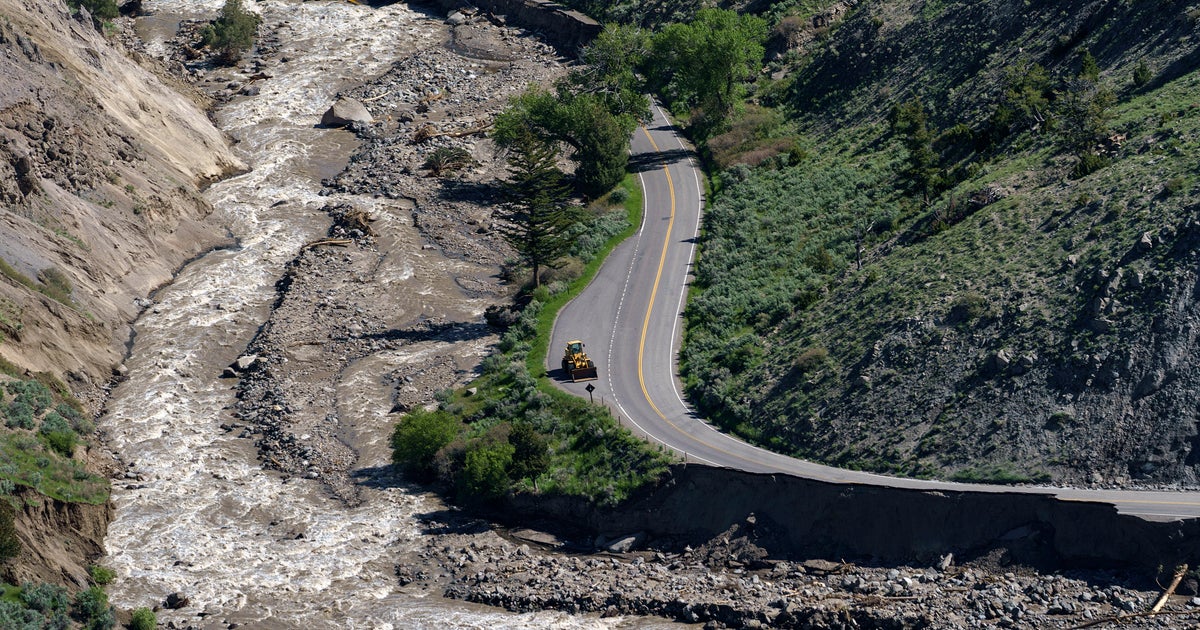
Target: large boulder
x,y
344,112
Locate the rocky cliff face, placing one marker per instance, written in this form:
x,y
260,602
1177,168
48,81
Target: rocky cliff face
x,y
101,163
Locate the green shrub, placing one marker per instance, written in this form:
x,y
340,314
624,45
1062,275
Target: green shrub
x,y
63,442
531,451
101,10
1174,186
1059,419
1142,75
1090,162
484,475
967,307
419,436
78,422
91,606
811,359
45,598
58,434
101,575
143,619
19,415
445,160
233,32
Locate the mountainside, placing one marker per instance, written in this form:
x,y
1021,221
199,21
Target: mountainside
x,y
947,276
101,164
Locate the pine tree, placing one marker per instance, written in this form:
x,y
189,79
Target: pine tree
x,y
10,545
537,217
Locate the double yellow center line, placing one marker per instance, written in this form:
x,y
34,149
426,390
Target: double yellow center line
x,y
657,277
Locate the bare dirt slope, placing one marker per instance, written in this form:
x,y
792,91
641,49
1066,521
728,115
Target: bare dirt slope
x,y
100,168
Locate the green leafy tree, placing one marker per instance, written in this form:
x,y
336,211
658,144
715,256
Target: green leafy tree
x,y
609,72
592,110
705,63
537,217
419,436
531,451
600,141
232,33
484,475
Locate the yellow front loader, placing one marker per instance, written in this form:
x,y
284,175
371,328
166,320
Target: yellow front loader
x,y
576,363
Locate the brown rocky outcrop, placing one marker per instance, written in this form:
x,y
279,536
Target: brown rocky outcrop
x,y
565,28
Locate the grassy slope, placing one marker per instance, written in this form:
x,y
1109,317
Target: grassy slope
x,y
881,371
589,453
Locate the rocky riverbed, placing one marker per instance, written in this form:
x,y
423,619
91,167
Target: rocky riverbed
x,y
734,582
397,292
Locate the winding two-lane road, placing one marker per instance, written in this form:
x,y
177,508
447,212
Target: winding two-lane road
x,y
630,317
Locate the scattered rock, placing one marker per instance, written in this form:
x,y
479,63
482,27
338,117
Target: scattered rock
x,y
176,600
346,111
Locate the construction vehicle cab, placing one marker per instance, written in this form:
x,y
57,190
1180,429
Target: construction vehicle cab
x,y
576,363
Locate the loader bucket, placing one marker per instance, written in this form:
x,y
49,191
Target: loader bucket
x,y
584,374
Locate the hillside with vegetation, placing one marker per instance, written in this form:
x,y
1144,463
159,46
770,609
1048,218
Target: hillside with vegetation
x,y
960,240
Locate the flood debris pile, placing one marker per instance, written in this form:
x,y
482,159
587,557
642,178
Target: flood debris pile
x,y
732,582
438,102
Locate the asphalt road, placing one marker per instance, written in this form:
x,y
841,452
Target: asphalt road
x,y
630,319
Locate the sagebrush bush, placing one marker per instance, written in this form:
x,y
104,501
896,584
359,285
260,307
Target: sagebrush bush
x,y
14,616
19,415
45,598
58,434
811,359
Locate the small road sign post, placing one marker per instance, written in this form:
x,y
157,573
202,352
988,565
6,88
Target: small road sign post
x,y
591,388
